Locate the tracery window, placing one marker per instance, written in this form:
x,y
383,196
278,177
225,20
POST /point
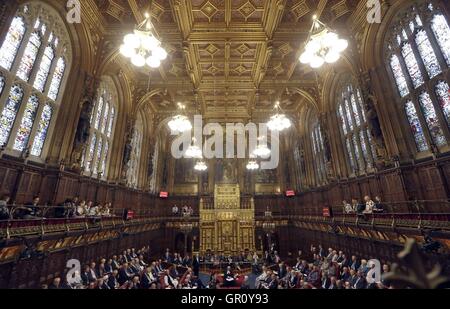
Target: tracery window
x,y
33,58
319,154
356,137
97,154
418,53
135,157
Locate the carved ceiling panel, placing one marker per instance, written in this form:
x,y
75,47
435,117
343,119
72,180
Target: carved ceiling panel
x,y
229,58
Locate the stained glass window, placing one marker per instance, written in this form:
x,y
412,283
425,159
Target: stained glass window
x,y
349,114
416,127
90,157
431,118
99,111
111,121
44,69
360,100
319,153
442,33
350,154
443,94
105,118
41,134
364,149
29,52
103,168
355,110
56,80
423,111
354,138
23,135
12,42
2,84
29,56
342,119
427,54
96,157
412,65
399,76
9,113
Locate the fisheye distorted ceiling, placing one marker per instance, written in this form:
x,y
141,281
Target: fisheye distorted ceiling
x,y
227,58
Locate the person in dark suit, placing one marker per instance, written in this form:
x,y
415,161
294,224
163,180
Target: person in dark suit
x,y
147,279
102,284
124,274
379,206
197,283
108,267
333,284
314,277
31,209
282,272
55,284
345,275
353,277
355,264
167,256
360,282
273,284
187,262
325,281
229,279
86,276
196,265
115,263
112,280
134,284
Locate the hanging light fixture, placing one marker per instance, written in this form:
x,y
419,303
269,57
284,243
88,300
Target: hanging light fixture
x,y
279,122
323,46
201,166
194,151
252,165
180,123
261,151
143,46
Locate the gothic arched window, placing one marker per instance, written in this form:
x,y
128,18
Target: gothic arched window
x,y
135,158
418,53
33,59
96,157
357,140
319,153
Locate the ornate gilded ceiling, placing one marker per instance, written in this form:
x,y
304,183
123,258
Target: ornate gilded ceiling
x,y
227,58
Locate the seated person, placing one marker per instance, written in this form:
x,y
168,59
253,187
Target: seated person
x,y
94,211
348,209
4,212
169,281
31,210
378,207
229,279
369,205
81,209
148,278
